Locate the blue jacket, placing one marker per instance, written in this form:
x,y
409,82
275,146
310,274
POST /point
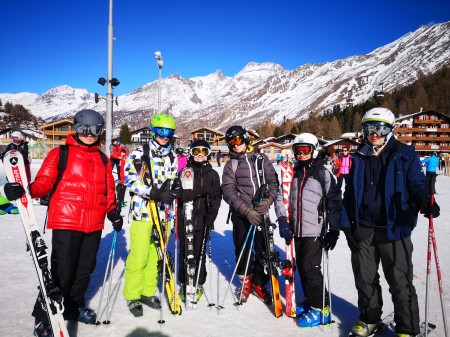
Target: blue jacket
x,y
431,163
404,189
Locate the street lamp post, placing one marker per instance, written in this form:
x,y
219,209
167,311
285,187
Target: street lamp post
x,y
109,94
159,63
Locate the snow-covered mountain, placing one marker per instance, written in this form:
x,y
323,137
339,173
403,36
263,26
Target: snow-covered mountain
x,y
261,91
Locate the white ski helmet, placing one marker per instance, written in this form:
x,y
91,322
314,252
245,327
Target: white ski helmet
x,y
309,139
16,135
379,115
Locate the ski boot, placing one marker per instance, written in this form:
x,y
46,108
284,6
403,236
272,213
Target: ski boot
x,y
364,329
314,317
152,301
243,292
87,316
42,329
135,307
182,293
302,308
262,293
199,293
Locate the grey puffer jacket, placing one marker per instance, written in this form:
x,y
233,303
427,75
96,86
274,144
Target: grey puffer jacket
x,y
240,187
306,194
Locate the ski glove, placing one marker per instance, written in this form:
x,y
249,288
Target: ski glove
x,y
263,206
285,232
252,216
177,188
328,242
164,196
353,244
208,220
433,210
13,191
116,220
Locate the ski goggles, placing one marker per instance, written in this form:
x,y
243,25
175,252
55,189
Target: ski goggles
x,y
94,130
381,129
302,149
238,140
15,138
200,151
163,132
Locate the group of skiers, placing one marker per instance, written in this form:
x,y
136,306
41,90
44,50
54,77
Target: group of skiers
x,y
384,192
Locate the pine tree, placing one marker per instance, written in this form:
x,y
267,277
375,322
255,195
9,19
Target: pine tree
x,y
125,134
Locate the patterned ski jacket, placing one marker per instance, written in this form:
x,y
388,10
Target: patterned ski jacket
x,y
240,185
403,190
85,193
306,201
163,167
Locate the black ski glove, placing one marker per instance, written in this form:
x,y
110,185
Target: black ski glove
x,y
263,206
164,195
252,216
352,242
208,220
433,210
285,232
116,220
13,191
177,188
328,242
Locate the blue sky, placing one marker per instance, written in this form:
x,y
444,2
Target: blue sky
x,y
49,43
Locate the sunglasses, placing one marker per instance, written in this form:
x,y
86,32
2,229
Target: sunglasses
x,y
236,141
15,138
93,130
163,132
303,149
345,150
200,151
381,129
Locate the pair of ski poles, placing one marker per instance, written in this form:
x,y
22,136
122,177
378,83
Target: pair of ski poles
x,y
432,242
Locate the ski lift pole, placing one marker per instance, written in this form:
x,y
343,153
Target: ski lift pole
x,y
432,242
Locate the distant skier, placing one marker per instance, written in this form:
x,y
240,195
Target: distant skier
x,y
76,214
19,144
206,196
431,164
182,159
118,152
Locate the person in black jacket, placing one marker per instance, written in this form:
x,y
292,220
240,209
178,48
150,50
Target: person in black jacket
x,y
206,196
19,144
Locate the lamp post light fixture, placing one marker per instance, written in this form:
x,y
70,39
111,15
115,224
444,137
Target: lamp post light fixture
x,y
159,63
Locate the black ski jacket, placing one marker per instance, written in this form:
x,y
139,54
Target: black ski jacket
x,y
206,196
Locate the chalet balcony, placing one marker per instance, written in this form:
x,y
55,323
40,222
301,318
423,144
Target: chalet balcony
x,y
409,130
422,139
50,133
427,121
431,148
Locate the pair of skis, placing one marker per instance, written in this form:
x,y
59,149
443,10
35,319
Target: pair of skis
x,y
50,295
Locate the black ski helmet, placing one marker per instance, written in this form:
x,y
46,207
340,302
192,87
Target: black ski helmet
x,y
235,131
200,143
179,150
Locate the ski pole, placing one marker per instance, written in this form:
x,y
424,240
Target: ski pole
x,y
237,264
252,241
163,283
432,241
210,271
113,247
199,266
176,251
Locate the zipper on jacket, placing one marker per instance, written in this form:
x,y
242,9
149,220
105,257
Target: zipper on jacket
x,y
299,204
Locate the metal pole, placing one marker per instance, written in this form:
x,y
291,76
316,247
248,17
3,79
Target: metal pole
x,y
159,63
109,94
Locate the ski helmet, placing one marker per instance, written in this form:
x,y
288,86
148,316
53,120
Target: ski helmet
x,y
179,150
236,131
307,139
160,122
380,121
16,136
89,122
200,143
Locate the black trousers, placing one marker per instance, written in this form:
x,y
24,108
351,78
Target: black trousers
x,y
396,260
73,261
431,182
241,226
308,260
341,178
198,240
115,162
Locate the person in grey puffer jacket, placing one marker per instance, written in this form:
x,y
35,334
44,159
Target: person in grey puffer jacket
x,y
311,184
239,188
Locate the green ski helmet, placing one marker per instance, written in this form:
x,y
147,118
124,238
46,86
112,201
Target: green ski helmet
x,y
160,122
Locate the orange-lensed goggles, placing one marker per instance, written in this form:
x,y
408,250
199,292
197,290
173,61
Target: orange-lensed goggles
x,y
200,151
236,141
302,149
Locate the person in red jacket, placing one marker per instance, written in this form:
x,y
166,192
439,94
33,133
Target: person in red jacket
x,y
76,214
117,154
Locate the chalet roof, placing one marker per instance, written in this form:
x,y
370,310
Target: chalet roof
x,y
61,121
204,127
399,119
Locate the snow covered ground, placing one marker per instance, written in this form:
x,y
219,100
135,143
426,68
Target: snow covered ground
x,y
18,284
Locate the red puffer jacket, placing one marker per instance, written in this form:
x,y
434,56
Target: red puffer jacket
x,y
85,193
